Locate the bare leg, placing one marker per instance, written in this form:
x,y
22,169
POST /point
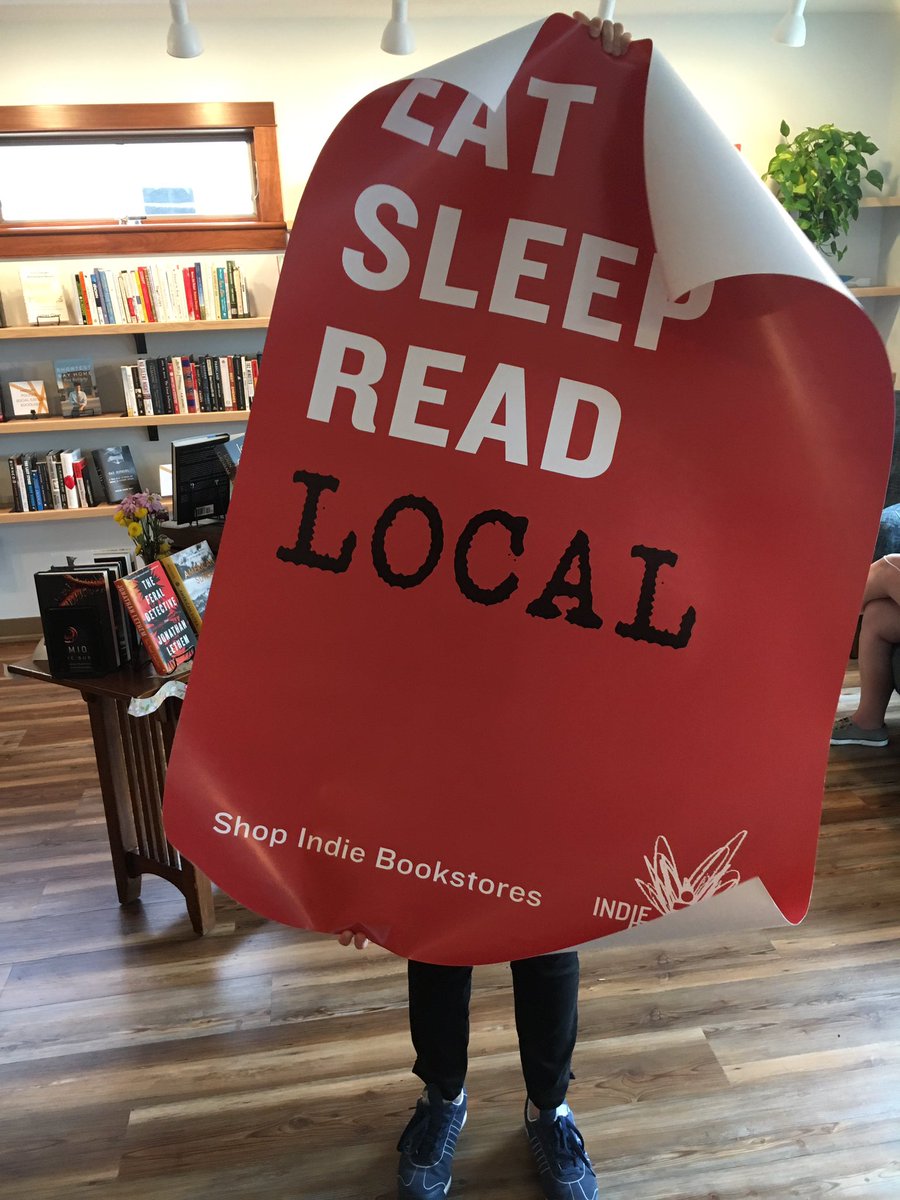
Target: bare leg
x,y
883,580
879,634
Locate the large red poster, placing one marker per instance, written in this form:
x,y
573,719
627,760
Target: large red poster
x,y
538,584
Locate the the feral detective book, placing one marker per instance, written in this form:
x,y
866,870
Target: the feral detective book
x,y
78,622
191,573
159,618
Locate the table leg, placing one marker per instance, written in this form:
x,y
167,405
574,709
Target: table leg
x,y
116,794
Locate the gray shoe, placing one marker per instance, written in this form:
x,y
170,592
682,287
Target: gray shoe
x,y
846,733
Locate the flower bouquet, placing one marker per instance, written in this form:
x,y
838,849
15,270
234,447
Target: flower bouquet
x,y
141,514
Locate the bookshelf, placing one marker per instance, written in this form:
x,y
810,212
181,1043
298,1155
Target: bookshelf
x,y
33,350
26,332
24,426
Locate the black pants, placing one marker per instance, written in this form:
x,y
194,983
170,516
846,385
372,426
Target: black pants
x,y
546,1002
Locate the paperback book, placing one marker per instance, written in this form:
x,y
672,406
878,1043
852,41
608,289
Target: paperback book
x,y
45,303
230,454
28,398
116,472
191,573
77,387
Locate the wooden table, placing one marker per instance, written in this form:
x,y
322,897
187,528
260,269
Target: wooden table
x,y
132,755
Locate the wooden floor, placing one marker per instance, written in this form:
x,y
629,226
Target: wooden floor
x,y
139,1061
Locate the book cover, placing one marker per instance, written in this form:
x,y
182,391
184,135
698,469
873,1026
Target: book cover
x,y
128,389
88,293
20,483
222,291
43,474
78,622
118,564
77,387
28,398
69,484
102,312
191,573
232,291
42,291
86,496
144,376
32,487
117,472
230,454
110,308
146,294
163,625
55,480
81,303
56,459
19,503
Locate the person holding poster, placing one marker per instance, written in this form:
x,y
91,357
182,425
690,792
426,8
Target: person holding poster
x,y
545,991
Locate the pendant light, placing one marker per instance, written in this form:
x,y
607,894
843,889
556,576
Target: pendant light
x,y
183,40
791,29
398,37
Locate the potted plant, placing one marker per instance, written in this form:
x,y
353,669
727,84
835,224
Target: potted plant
x,y
818,176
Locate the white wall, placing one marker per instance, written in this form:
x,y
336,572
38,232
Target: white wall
x,y
314,69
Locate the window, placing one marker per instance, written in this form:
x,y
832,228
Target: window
x,y
151,178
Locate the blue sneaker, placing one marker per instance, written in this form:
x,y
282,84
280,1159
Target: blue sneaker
x,y
565,1169
426,1147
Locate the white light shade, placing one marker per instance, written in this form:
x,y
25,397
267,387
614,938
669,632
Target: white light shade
x,y
791,29
183,40
607,10
398,37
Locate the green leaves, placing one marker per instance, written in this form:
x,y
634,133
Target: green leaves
x,y
818,177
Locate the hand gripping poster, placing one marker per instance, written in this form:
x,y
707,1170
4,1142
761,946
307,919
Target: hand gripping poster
x,y
550,531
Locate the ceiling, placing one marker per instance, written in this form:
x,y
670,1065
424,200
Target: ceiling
x,y
443,8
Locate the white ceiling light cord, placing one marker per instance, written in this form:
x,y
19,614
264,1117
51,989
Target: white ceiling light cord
x,y
183,40
791,29
398,37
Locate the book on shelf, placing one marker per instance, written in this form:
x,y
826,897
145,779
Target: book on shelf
x,y
230,454
191,573
116,472
77,387
150,293
45,301
28,398
200,484
78,620
56,480
161,622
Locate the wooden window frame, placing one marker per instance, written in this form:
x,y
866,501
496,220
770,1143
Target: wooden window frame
x,y
165,235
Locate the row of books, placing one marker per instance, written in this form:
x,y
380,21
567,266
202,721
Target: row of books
x,y
60,479
98,616
189,384
149,294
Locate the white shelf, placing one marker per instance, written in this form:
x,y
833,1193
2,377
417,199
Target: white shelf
x,y
136,329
